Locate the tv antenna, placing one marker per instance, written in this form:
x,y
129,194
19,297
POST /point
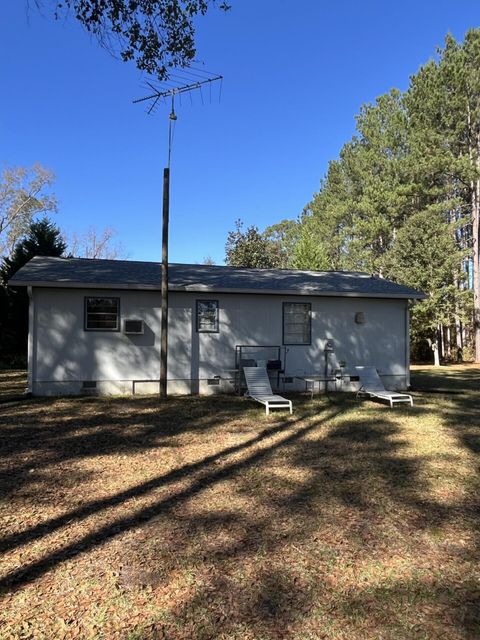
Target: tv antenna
x,y
195,80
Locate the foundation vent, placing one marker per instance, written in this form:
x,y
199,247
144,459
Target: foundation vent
x,y
89,387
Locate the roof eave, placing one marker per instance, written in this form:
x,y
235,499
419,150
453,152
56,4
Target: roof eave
x,y
199,288
59,284
300,292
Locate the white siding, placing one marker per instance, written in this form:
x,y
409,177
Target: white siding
x,y
65,355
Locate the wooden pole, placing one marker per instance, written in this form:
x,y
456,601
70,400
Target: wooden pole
x,y
154,98
164,289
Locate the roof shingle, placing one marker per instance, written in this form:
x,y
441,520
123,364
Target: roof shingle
x,y
127,274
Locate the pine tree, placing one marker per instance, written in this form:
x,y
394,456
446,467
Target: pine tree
x,y
283,237
425,256
413,152
366,194
444,106
43,238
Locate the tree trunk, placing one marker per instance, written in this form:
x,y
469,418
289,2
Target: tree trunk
x,y
459,338
476,262
474,151
436,349
448,342
439,351
459,331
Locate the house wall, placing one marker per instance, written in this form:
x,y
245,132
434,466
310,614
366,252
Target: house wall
x,y
64,355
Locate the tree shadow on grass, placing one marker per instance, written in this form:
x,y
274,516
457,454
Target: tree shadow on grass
x,y
279,569
112,530
353,497
452,609
445,379
269,535
462,416
44,433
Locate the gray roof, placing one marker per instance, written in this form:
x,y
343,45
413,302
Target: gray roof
x,y
126,274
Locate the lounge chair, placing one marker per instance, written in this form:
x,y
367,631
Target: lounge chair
x,y
259,389
373,387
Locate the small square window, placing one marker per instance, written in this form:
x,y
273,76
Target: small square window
x,y
102,314
207,316
297,325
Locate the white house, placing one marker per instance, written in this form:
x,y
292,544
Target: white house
x,y
94,325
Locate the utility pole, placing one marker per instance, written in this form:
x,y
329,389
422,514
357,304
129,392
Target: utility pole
x,y
153,99
164,285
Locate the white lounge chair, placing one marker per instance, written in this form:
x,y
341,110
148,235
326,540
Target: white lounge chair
x,y
373,387
259,389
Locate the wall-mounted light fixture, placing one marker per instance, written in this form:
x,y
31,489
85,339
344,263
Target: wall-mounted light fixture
x,y
329,345
360,317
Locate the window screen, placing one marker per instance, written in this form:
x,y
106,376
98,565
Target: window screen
x,y
207,316
102,314
296,323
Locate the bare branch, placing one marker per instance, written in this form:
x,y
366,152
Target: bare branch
x,y
94,243
22,197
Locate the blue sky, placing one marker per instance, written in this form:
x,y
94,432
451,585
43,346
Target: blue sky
x,y
296,73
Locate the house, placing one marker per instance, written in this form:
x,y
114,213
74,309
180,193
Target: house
x,y
95,325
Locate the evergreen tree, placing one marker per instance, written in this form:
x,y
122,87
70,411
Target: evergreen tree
x,y
283,236
444,107
250,248
43,238
413,153
366,194
425,256
323,237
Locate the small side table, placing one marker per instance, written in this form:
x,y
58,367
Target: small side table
x,y
310,382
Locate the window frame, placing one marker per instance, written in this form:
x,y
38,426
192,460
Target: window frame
x,y
217,319
297,344
86,313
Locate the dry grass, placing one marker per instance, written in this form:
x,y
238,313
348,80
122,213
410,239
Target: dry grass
x,y
202,518
12,382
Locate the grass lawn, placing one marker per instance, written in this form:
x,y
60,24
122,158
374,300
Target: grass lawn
x,y
12,382
202,518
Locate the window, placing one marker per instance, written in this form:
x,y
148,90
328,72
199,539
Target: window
x,y
102,314
207,316
297,325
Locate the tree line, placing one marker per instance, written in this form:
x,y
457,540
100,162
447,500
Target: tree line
x,y
402,201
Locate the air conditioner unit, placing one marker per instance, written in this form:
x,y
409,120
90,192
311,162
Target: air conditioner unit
x,y
133,327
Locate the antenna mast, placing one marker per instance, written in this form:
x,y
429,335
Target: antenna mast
x,y
154,98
